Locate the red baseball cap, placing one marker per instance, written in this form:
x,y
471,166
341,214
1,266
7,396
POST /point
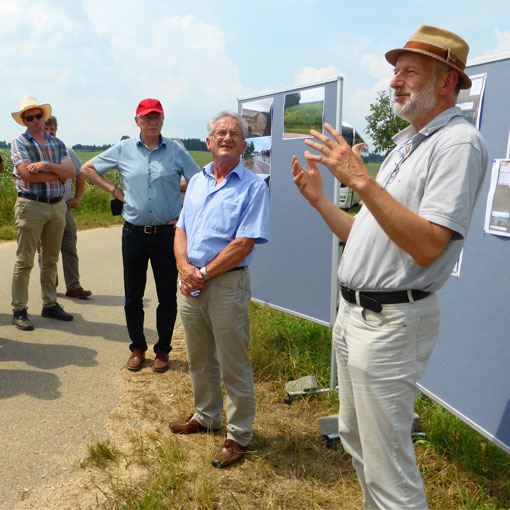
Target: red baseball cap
x,y
147,106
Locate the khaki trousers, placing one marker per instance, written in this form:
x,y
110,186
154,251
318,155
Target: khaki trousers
x,y
380,357
37,222
217,329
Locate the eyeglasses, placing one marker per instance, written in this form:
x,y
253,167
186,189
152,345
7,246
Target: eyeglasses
x,y
30,118
223,133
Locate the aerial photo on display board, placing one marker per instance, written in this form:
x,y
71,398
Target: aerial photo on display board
x,y
303,110
497,212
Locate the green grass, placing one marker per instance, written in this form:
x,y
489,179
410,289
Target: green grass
x,y
301,118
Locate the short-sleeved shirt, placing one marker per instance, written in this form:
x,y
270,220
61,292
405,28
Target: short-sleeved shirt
x,y
68,187
440,181
150,178
26,149
213,216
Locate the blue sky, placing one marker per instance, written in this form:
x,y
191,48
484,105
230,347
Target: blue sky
x,y
94,60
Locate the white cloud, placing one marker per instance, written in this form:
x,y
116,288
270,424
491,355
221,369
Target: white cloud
x,y
95,64
309,74
503,46
377,67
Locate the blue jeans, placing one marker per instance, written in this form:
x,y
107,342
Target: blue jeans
x,y
137,249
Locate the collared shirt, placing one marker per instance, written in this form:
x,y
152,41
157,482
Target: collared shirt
x,y
68,187
439,178
214,215
150,178
26,149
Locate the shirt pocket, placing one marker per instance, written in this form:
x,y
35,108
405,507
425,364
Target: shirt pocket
x,y
225,220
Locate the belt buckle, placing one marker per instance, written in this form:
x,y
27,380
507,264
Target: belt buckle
x,y
149,229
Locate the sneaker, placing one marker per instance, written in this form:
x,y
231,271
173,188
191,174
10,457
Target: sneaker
x,y
21,320
56,312
79,293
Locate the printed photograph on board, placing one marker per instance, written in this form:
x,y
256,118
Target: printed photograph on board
x,y
258,115
303,110
257,157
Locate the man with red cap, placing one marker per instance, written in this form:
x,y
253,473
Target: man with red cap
x,y
400,249
150,169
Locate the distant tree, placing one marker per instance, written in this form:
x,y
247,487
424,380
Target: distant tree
x,y
194,144
124,137
250,149
4,145
382,123
81,147
292,99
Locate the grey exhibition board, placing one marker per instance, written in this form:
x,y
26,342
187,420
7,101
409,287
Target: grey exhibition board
x,y
469,371
296,271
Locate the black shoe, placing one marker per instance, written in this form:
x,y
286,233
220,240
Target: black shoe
x,y
56,312
21,320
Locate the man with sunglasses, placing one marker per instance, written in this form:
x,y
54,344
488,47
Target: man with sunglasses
x,y
41,167
150,168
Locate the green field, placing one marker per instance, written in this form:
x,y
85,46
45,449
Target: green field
x,y
301,118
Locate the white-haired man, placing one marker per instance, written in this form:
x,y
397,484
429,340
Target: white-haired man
x,y
150,168
400,249
41,167
225,214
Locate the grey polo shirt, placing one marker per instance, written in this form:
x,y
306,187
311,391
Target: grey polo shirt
x,y
440,181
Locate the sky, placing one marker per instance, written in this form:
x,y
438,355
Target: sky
x,y
94,60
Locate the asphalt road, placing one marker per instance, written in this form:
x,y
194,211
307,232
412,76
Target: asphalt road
x,y
58,383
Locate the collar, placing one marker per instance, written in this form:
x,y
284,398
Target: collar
x,y
238,170
31,137
161,142
436,123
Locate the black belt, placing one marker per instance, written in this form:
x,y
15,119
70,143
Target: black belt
x,y
38,198
153,229
237,268
374,300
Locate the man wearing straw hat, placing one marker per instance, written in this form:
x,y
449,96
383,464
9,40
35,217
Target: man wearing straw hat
x,y
400,249
41,167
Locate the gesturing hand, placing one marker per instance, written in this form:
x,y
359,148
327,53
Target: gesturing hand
x,y
310,183
343,162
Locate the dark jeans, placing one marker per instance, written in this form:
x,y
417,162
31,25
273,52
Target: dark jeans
x,y
137,249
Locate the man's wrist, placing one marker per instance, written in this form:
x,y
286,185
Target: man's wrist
x,y
203,272
46,165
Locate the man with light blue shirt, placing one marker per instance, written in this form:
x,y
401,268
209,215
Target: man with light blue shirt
x,y
225,213
150,169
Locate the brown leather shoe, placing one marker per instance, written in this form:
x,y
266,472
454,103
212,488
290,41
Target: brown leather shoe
x,y
189,426
230,453
79,293
135,361
160,362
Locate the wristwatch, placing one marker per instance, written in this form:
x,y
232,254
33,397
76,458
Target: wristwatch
x,y
46,165
203,271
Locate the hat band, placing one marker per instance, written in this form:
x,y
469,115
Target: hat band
x,y
447,55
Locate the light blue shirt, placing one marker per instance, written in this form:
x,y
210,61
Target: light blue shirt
x,y
213,216
150,178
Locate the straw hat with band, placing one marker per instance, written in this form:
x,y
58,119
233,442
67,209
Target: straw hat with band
x,y
441,45
29,103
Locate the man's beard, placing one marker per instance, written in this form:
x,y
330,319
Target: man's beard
x,y
418,104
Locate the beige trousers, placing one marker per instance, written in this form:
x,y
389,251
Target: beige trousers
x,y
37,222
217,329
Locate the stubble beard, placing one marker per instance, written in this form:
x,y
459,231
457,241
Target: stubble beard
x,y
419,104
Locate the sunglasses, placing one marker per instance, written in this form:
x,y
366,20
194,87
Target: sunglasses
x,y
30,118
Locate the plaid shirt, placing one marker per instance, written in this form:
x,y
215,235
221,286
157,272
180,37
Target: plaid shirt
x,y
26,149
